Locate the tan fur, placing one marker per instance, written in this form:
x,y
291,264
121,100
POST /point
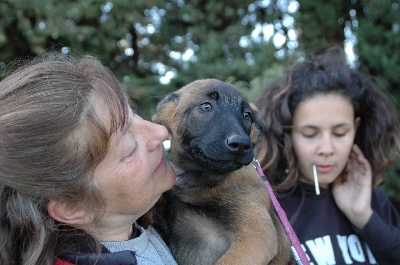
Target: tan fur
x,y
256,234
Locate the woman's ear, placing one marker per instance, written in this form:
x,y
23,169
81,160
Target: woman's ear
x,y
69,213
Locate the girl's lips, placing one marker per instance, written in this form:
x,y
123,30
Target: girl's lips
x,y
324,169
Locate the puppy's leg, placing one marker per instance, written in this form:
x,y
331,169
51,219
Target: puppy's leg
x,y
256,240
261,238
198,240
285,254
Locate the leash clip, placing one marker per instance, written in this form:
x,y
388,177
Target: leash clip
x,y
256,162
257,166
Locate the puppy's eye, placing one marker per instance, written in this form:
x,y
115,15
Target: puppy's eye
x,y
205,107
247,115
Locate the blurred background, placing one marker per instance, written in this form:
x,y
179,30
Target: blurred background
x,y
155,47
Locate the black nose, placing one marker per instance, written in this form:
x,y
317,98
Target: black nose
x,y
238,144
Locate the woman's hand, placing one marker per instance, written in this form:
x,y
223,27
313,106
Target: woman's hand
x,y
353,191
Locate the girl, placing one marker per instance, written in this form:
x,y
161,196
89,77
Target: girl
x,y
330,133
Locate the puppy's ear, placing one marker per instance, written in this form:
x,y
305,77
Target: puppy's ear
x,y
257,126
165,109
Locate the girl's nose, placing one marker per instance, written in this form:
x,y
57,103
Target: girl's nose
x,y
325,147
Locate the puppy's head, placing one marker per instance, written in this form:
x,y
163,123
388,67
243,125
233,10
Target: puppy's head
x,y
212,126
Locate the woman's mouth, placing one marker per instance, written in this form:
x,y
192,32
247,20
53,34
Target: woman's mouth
x,y
161,164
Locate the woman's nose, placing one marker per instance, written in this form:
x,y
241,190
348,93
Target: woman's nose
x,y
156,134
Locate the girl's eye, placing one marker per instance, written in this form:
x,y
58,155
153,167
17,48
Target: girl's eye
x,y
341,131
247,115
341,134
309,135
205,106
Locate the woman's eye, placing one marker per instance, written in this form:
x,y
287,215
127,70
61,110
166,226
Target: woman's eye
x,y
247,115
205,107
133,151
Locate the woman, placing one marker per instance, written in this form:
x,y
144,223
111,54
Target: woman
x,y
77,168
330,133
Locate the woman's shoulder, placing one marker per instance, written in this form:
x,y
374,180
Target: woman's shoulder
x,y
153,249
58,261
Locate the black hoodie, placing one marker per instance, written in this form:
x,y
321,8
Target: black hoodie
x,y
328,237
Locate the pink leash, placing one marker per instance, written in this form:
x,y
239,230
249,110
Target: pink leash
x,y
282,216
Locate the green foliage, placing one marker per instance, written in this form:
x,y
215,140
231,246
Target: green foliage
x,y
253,89
379,42
321,24
378,49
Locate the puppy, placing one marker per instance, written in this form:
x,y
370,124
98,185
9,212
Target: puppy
x,y
219,211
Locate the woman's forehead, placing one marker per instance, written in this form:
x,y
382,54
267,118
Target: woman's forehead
x,y
110,111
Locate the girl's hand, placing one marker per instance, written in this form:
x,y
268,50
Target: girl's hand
x,y
353,191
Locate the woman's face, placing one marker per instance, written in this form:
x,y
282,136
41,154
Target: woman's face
x,y
134,173
323,133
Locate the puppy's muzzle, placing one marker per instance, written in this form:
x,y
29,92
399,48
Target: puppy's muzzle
x,y
238,145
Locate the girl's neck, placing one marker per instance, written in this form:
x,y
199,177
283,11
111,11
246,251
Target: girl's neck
x,y
306,180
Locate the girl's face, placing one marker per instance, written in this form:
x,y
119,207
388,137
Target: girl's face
x,y
323,133
134,173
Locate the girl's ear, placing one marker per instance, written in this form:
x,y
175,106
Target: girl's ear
x,y
357,122
69,213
